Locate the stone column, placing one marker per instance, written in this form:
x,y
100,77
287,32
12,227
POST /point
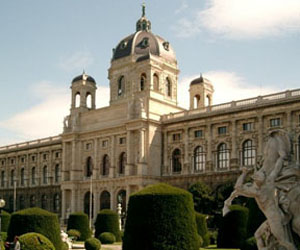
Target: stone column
x,y
96,166
210,160
165,153
186,163
260,135
234,155
289,121
113,161
63,204
142,165
73,201
128,167
73,161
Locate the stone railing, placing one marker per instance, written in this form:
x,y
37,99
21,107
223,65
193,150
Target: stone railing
x,y
31,143
289,94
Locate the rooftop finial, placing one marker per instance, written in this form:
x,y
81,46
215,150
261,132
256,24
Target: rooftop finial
x,y
143,9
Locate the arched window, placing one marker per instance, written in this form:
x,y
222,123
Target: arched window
x,y
45,174
44,201
155,82
32,201
87,203
22,176
89,167
122,163
105,200
56,203
21,202
89,100
77,100
105,165
199,159
249,153
33,176
2,178
121,86
12,177
176,161
56,173
196,101
168,87
208,100
143,81
223,156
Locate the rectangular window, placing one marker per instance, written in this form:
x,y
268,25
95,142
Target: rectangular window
x,y
33,158
3,162
22,159
248,126
275,122
104,143
88,146
122,140
12,161
222,130
176,137
45,156
198,133
56,154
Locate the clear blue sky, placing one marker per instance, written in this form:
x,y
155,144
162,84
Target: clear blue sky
x,y
249,45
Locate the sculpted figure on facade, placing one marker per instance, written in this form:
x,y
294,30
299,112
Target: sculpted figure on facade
x,y
276,189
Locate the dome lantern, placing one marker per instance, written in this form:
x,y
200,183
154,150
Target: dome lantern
x,y
143,23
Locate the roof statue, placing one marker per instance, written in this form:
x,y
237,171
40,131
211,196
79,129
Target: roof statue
x,y
276,189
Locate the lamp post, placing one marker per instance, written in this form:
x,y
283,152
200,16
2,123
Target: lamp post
x,y
2,205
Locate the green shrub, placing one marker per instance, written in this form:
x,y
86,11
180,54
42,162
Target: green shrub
x,y
80,222
35,241
250,244
65,246
161,217
233,229
3,236
200,240
92,244
256,217
107,238
213,235
5,218
202,228
35,220
108,221
74,234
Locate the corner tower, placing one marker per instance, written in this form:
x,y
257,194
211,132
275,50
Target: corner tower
x,y
83,93
201,93
144,71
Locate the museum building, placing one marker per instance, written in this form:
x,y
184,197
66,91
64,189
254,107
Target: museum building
x,y
143,136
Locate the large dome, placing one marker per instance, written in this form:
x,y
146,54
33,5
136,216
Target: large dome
x,y
143,43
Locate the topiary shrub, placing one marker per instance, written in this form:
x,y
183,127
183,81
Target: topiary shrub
x,y
250,244
65,246
35,220
92,244
74,234
80,222
3,236
233,229
35,241
161,217
108,221
202,228
107,238
5,219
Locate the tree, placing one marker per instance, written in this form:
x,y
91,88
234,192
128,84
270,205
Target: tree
x,y
202,196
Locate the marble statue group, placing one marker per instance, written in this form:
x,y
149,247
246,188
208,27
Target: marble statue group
x,y
275,186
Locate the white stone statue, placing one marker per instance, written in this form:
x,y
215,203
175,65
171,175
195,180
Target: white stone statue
x,y
276,189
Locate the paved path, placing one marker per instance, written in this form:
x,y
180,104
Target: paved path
x,y
108,247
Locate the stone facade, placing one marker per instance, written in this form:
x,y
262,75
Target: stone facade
x,y
143,136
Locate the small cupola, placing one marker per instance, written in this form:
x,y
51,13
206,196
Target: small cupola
x,y
143,23
201,93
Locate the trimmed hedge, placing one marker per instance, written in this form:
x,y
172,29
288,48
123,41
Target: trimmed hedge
x,y
80,222
202,229
35,241
74,234
161,217
35,220
92,244
256,217
5,219
250,244
107,238
233,229
108,221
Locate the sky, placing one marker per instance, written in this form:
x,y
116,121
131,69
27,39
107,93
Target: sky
x,y
245,48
